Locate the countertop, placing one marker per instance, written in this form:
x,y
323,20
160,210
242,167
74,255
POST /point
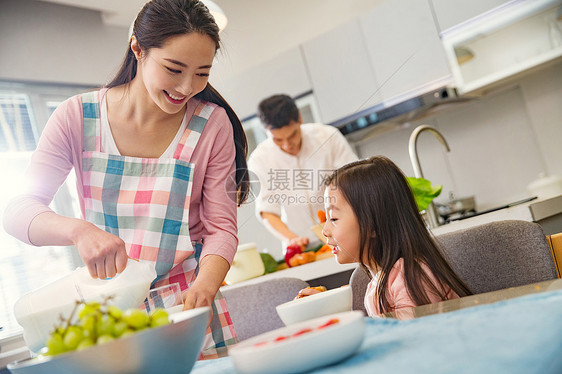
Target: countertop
x,y
533,211
306,272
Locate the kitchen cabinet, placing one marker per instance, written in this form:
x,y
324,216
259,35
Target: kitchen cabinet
x,y
501,45
341,73
286,73
449,13
404,47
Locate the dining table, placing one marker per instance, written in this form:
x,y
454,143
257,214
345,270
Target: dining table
x,y
515,330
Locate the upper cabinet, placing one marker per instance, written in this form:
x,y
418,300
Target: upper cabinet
x,y
449,13
501,45
284,74
341,73
404,46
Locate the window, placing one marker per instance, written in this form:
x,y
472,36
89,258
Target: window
x,y
17,133
24,110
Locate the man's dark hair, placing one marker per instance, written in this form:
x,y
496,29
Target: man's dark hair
x,y
278,111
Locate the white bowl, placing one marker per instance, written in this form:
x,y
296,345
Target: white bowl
x,y
320,347
317,305
173,348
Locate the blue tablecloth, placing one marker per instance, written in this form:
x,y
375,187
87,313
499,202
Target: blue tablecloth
x,y
521,335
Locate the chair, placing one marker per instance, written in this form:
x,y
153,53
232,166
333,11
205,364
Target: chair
x,y
358,282
252,307
555,242
499,255
489,257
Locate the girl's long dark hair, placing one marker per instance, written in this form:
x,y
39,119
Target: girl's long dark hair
x,y
159,20
391,228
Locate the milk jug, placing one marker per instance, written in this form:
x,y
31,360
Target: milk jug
x,y
38,311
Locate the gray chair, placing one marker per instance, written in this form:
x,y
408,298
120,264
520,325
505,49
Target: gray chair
x,y
358,282
252,307
488,257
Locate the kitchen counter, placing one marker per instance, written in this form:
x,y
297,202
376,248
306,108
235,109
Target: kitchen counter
x,y
308,272
546,212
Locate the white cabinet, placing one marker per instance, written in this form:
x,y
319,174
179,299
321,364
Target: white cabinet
x,y
286,74
503,44
404,46
341,73
449,13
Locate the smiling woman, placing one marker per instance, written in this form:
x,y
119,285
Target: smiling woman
x,y
157,154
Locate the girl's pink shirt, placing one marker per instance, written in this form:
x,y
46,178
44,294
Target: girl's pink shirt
x,y
397,293
212,214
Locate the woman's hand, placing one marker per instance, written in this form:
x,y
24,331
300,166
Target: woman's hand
x,y
103,253
196,297
212,270
300,241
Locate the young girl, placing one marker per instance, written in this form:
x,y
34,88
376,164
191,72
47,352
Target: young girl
x,y
373,219
157,154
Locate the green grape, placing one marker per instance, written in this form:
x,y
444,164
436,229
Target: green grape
x,y
74,335
90,308
158,313
55,344
159,317
127,332
119,328
98,324
114,312
162,321
105,339
136,318
88,324
85,344
105,326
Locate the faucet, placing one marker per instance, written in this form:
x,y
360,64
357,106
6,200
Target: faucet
x,y
413,149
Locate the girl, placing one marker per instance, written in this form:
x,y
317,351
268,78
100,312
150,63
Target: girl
x,y
157,153
373,219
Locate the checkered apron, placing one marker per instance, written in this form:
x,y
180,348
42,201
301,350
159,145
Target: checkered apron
x,y
145,202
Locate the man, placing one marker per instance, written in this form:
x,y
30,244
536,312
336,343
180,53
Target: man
x,y
291,165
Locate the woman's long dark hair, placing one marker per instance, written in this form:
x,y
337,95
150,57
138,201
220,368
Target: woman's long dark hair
x,y
384,206
159,20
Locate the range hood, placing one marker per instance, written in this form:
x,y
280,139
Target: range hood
x,y
410,106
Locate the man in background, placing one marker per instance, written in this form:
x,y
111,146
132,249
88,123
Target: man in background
x,y
291,165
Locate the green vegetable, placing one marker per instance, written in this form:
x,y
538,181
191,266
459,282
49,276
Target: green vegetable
x,y
269,262
315,248
423,191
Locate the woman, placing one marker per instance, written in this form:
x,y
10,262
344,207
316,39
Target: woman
x,y
157,154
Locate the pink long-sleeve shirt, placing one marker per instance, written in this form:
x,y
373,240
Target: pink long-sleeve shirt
x,y
212,213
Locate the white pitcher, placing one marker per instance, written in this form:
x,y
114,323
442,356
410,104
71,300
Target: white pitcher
x,y
38,311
